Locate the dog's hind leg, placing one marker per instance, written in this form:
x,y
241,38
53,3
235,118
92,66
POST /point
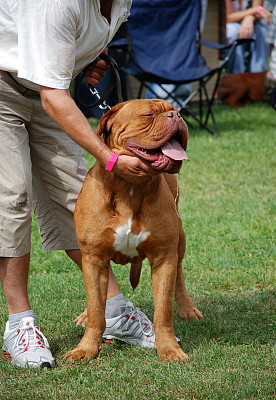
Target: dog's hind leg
x,y
185,305
82,319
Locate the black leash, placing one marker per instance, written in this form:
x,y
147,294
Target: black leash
x,y
101,103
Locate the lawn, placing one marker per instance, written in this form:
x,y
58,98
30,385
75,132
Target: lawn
x,y
227,208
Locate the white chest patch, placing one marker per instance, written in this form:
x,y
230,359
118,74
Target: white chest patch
x,y
126,242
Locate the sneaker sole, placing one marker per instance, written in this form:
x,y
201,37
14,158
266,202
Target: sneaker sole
x,y
110,339
134,342
44,364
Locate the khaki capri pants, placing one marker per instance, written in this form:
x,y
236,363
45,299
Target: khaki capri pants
x,y
40,168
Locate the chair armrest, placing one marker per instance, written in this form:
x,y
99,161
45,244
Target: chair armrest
x,y
213,45
231,47
220,46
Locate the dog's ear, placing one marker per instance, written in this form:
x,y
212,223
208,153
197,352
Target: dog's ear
x,y
105,124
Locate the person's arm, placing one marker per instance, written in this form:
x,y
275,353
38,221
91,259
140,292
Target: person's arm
x,y
61,108
247,17
238,16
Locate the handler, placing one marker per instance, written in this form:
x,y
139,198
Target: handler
x,y
43,45
247,19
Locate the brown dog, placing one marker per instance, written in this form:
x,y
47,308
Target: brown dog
x,y
119,221
238,89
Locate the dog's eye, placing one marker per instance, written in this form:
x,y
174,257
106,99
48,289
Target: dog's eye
x,y
148,115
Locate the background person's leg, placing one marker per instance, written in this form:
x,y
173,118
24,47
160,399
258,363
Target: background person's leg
x,y
236,62
259,49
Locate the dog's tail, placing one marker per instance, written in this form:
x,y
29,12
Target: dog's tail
x,y
134,276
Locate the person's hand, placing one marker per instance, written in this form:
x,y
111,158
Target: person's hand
x,y
132,169
266,15
97,72
247,27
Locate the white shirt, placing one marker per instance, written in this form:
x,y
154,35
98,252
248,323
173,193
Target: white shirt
x,y
48,42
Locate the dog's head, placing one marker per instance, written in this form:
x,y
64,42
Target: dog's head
x,y
152,130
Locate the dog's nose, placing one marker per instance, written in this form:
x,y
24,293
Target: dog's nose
x,y
173,114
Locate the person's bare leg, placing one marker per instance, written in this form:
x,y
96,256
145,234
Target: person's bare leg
x,y
14,280
113,289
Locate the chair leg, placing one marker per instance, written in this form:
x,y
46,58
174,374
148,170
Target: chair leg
x,y
210,112
200,99
213,94
204,126
202,86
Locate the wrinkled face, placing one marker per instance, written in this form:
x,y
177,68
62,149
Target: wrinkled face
x,y
152,129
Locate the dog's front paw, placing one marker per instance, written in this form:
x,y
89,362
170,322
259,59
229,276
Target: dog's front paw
x,y
80,353
82,319
173,353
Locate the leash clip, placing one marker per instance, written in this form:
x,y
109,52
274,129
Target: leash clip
x,y
103,105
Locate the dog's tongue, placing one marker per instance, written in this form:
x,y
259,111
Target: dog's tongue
x,y
174,150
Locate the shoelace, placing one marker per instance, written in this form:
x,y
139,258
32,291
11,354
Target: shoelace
x,y
142,319
29,338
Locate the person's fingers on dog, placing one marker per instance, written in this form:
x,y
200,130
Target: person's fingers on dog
x,y
132,169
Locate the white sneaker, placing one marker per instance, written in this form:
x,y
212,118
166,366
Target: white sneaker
x,y
26,346
132,327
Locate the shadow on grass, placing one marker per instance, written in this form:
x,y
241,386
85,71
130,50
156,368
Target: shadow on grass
x,y
231,321
239,320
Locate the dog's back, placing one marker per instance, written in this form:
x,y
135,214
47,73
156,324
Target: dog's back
x,y
238,89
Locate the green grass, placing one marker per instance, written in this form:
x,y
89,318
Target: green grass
x,y
228,211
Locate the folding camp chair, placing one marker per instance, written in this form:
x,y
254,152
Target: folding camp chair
x,y
165,49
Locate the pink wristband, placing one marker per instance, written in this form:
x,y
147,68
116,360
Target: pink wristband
x,y
260,10
111,161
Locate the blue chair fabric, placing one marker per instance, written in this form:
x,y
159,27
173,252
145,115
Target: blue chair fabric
x,y
165,48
